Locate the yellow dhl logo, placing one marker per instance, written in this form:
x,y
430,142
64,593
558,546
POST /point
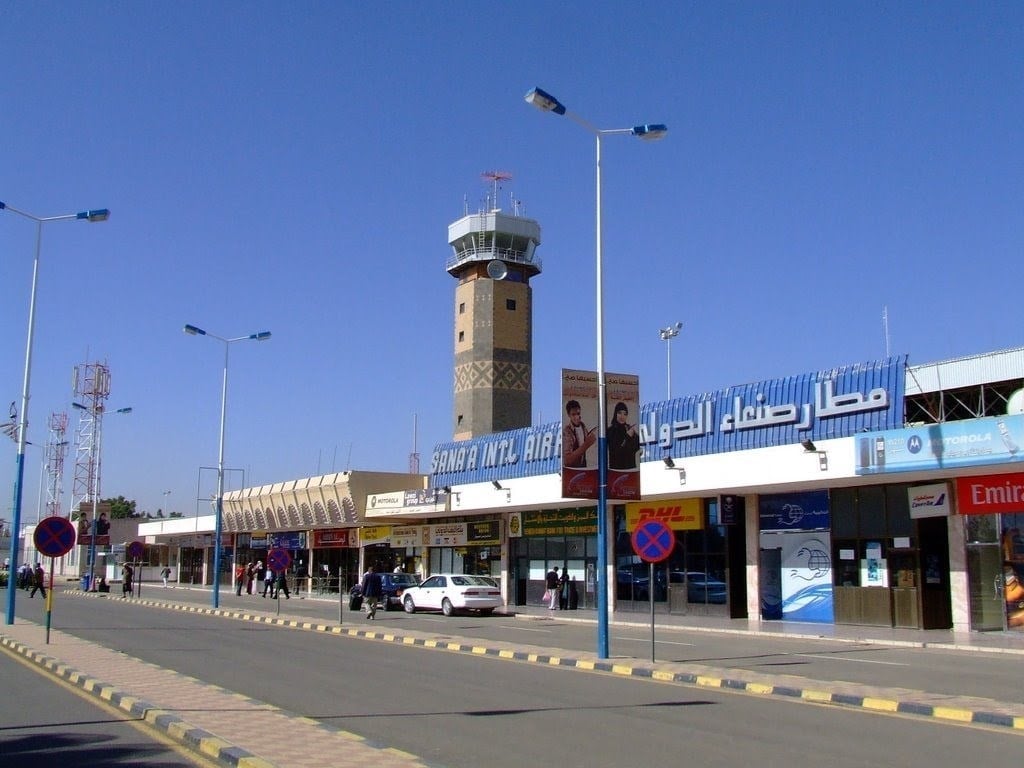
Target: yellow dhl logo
x,y
678,517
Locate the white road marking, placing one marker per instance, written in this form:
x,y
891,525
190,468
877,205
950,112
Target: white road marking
x,y
648,640
847,658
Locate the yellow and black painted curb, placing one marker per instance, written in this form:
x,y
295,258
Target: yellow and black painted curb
x,y
172,725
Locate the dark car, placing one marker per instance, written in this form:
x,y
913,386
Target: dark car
x,y
392,587
701,588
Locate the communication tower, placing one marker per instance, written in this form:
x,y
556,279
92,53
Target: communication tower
x,y
56,450
493,258
91,388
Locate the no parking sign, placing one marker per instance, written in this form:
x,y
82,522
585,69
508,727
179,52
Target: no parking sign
x,y
653,540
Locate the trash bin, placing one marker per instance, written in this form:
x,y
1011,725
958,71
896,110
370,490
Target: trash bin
x,y
85,581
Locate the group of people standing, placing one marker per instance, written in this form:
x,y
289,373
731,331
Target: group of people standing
x,y
274,582
560,592
32,578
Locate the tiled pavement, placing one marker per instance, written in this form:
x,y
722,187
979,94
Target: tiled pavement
x,y
239,731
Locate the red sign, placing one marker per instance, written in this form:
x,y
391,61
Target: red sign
x,y
335,537
989,494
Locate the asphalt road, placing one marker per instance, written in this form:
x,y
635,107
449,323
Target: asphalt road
x,y
461,711
952,672
45,722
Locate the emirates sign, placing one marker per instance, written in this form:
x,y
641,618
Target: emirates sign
x,y
989,494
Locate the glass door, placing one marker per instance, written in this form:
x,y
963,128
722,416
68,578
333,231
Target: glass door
x,y
985,583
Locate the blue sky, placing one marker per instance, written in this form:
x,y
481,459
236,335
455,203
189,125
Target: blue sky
x,y
293,167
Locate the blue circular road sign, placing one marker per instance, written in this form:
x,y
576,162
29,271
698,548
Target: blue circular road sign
x,y
54,536
278,560
653,540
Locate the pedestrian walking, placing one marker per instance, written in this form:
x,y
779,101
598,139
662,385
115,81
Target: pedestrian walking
x,y
371,588
300,579
282,585
240,571
38,581
563,591
268,582
24,576
127,574
165,574
250,575
551,587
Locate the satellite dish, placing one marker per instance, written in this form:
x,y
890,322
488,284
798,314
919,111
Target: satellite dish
x,y
496,269
1015,404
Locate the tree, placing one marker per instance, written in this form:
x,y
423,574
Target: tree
x,y
121,508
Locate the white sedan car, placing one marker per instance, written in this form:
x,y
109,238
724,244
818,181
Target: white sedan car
x,y
451,592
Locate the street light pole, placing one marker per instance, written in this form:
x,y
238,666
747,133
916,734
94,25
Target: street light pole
x,y
667,334
548,103
100,214
219,521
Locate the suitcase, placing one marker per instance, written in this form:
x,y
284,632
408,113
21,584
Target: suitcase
x,y
355,602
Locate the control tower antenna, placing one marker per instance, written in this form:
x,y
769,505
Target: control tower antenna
x,y
495,178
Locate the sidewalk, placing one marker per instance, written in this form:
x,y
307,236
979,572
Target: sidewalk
x,y
203,717
239,731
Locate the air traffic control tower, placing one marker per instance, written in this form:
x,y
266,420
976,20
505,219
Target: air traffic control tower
x,y
493,258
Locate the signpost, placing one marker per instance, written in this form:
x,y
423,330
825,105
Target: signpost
x,y
653,541
54,537
278,560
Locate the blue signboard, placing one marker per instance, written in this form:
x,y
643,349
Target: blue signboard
x,y
839,402
796,511
973,442
816,406
289,540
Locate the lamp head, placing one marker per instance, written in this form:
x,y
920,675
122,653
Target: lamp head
x,y
545,102
669,463
193,331
261,336
497,485
809,446
98,214
650,132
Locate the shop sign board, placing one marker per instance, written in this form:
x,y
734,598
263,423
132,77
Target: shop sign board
x,y
677,514
580,521
931,500
988,494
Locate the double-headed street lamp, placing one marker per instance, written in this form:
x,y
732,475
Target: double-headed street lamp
x,y
100,214
667,334
97,410
548,103
218,524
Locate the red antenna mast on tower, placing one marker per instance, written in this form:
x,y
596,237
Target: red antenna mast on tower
x,y
495,178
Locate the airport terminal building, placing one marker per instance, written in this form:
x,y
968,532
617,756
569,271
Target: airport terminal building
x,y
873,493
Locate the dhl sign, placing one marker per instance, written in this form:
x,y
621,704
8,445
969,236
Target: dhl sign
x,y
677,514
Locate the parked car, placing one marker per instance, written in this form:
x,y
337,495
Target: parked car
x,y
701,588
451,592
393,586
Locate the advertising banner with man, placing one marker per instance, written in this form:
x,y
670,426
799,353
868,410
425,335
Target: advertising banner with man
x,y
580,415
